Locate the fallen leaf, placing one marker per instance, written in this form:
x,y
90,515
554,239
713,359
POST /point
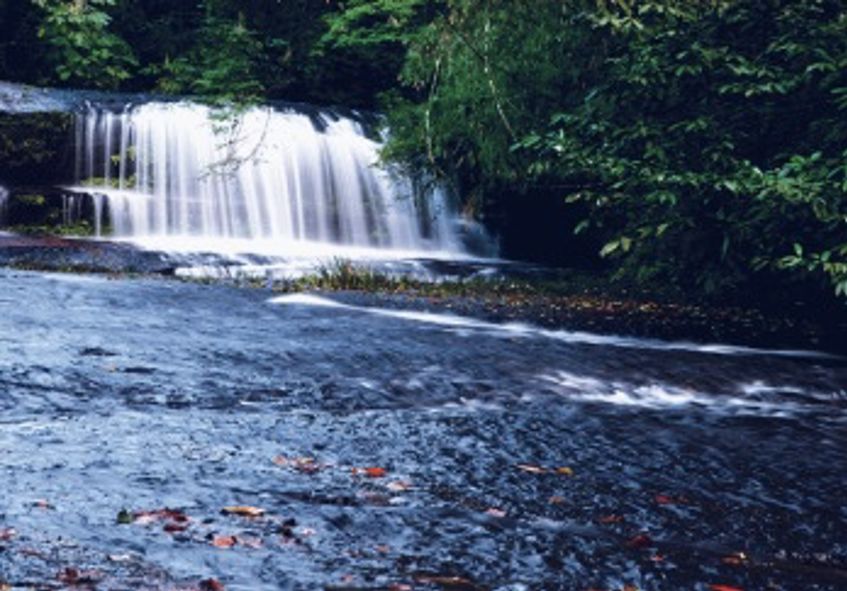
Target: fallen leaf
x,y
640,541
243,511
399,486
73,576
280,460
664,500
371,472
173,528
735,559
494,512
724,588
306,465
7,534
607,519
445,581
211,585
224,541
148,517
556,500
250,542
69,576
564,471
532,469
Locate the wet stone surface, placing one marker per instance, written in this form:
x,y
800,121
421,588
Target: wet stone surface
x,y
398,452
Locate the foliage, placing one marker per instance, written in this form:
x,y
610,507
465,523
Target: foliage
x,y
711,142
705,139
374,23
82,48
221,66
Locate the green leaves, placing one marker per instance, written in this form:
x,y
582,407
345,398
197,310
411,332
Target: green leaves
x,y
373,22
221,67
706,148
82,49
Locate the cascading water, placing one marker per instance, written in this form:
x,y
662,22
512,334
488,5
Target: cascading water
x,y
175,169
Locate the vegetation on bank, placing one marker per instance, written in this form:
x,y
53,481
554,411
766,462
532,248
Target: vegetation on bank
x,y
700,144
571,299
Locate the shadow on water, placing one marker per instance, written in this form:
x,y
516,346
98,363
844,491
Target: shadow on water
x,y
686,467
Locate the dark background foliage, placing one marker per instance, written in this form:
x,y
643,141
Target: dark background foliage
x,y
699,144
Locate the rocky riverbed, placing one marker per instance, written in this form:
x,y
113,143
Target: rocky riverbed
x,y
159,434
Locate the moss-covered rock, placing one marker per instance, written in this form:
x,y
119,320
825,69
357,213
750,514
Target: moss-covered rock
x,y
36,147
38,210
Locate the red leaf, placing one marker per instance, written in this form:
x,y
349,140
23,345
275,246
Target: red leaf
x,y
664,500
173,528
69,576
211,585
735,559
724,588
640,541
371,472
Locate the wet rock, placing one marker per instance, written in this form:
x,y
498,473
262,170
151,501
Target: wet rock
x,y
51,253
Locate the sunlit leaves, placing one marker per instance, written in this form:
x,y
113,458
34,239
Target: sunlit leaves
x,y
82,48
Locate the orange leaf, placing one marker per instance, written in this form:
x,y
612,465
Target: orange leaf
x,y
243,510
724,588
224,541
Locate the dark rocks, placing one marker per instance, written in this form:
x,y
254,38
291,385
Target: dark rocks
x,y
33,209
50,253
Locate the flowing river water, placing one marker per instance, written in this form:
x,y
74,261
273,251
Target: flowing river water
x,y
399,450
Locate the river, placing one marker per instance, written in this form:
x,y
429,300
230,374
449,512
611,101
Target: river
x,y
398,450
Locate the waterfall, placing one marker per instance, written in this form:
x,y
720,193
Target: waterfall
x,y
177,169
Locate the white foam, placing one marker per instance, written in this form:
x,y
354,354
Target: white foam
x,y
522,330
664,396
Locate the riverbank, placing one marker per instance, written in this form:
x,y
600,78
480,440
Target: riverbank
x,y
565,300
